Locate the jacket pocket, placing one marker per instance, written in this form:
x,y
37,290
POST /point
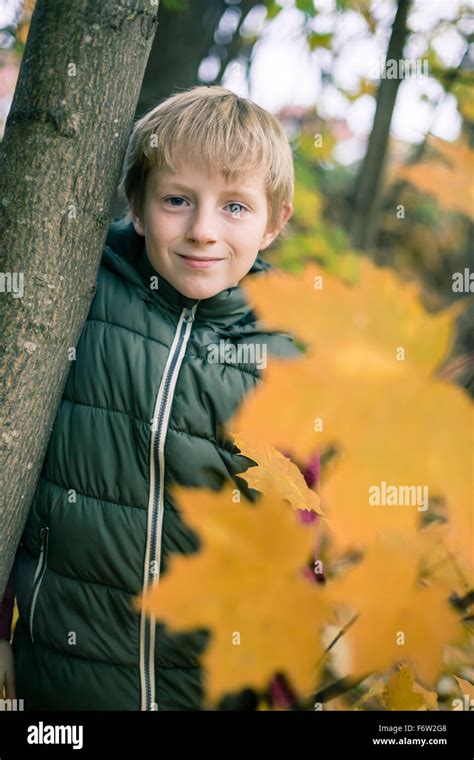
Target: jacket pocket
x,y
39,574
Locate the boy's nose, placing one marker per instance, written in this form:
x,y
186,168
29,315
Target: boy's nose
x,y
202,228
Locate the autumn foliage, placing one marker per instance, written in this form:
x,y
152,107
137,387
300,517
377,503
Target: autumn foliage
x,y
391,534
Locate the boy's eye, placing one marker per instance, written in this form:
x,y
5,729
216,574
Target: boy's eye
x,y
238,211
174,198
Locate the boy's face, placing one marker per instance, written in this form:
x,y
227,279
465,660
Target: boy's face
x,y
201,234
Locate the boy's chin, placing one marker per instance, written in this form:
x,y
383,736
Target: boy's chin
x,y
203,290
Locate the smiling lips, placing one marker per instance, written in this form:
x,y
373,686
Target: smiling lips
x,y
199,262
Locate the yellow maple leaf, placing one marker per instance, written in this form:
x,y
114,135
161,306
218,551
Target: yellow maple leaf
x,y
398,618
402,693
374,316
410,444
466,687
440,562
366,387
278,472
449,179
248,588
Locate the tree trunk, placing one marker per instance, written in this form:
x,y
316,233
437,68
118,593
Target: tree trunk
x,y
60,161
369,180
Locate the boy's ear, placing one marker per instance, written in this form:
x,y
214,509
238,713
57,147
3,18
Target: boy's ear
x,y
137,223
270,235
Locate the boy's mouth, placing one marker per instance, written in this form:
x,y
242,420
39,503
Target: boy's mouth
x,y
199,262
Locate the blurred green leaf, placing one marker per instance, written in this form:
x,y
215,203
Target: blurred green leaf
x,y
319,40
307,6
273,9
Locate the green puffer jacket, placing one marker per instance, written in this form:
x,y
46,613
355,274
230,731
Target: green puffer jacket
x,y
142,408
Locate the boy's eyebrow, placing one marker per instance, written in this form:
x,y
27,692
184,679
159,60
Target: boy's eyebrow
x,y
178,186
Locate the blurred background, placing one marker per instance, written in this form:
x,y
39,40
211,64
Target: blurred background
x,y
376,97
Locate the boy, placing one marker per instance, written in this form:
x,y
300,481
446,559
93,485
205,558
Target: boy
x,y
208,178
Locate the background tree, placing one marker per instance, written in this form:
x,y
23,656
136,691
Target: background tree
x,y
187,33
370,174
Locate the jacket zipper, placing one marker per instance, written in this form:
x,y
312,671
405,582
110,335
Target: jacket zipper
x,y
40,570
151,574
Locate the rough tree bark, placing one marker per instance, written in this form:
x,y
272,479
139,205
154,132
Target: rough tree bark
x,y
369,180
60,161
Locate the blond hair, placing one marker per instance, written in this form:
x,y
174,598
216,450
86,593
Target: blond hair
x,y
214,128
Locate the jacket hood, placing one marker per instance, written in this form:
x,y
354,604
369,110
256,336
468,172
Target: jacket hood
x,y
125,253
